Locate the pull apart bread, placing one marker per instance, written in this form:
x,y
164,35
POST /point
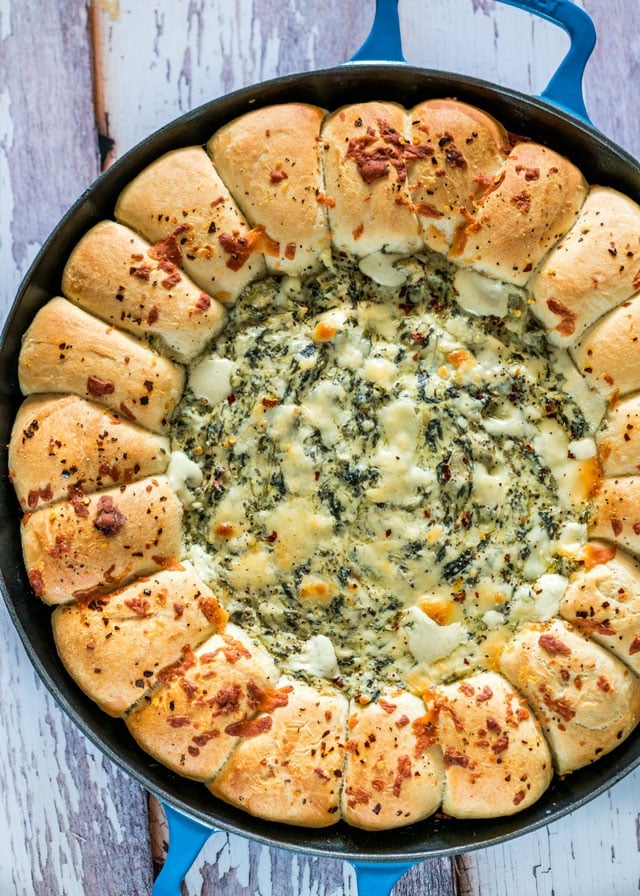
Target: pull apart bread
x,y
329,467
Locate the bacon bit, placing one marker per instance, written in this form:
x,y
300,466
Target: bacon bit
x,y
167,563
560,705
320,772
290,251
323,199
378,785
530,174
520,795
493,724
452,757
201,740
357,233
204,302
179,668
233,651
454,157
60,548
595,554
634,646
358,796
270,402
99,388
485,694
138,605
387,705
240,248
168,249
616,526
553,645
112,471
78,500
213,612
141,271
501,745
43,494
266,699
604,684
404,774
36,581
403,721
593,625
375,161
418,338
227,699
567,325
109,520
424,730
425,210
467,689
522,201
178,609
249,727
178,721
278,176
170,281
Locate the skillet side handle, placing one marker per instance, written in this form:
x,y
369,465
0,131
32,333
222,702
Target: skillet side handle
x,y
379,878
384,43
186,838
565,87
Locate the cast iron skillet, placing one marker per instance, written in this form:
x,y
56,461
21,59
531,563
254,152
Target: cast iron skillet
x,y
379,858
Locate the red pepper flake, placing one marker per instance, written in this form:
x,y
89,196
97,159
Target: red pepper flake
x,y
272,537
249,727
277,176
530,174
634,646
168,249
501,745
418,338
109,520
141,271
99,388
290,251
77,499
270,402
154,314
387,705
604,684
320,772
404,774
126,412
522,201
485,694
553,645
616,526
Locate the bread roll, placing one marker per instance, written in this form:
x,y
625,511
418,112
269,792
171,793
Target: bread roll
x,y
117,647
115,275
288,764
593,269
604,603
517,222
393,770
187,724
60,442
469,149
496,759
269,159
619,439
366,149
608,354
92,544
616,512
586,700
67,350
180,204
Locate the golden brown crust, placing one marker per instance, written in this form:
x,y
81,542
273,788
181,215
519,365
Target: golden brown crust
x,y
593,269
619,440
518,221
181,200
269,159
365,153
188,723
60,442
608,354
469,149
118,646
68,350
496,759
291,770
118,277
92,544
393,772
616,512
586,700
603,602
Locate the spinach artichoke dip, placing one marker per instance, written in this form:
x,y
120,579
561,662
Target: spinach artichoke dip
x,y
386,475
328,464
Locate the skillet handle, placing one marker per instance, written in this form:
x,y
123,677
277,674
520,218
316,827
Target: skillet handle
x,y
186,838
379,878
564,90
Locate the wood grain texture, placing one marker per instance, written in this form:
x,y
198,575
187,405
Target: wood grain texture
x,y
73,823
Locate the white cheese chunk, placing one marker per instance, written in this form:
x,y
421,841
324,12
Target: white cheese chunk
x,y
317,658
211,379
429,641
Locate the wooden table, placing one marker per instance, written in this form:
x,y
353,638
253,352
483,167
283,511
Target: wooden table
x,y
82,82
